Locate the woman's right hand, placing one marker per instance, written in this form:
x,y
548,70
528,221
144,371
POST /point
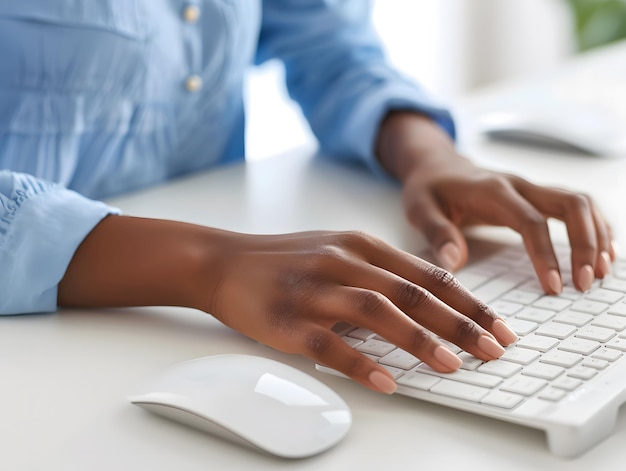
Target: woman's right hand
x,y
288,291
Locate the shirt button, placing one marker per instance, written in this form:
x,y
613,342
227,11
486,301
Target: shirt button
x,y
191,13
193,83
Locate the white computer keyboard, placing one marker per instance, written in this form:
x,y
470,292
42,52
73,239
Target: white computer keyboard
x,y
565,375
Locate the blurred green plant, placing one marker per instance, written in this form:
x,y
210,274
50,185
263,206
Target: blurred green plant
x,y
598,22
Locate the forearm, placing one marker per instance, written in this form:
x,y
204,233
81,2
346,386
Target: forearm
x,y
128,261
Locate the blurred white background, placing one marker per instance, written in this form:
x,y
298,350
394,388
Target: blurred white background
x,y
452,47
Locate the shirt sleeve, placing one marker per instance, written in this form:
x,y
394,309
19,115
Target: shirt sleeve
x,y
41,226
337,71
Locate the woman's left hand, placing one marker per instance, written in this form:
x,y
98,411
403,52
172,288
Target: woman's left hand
x,y
444,192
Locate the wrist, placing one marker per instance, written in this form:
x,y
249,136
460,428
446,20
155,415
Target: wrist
x,y
407,140
127,261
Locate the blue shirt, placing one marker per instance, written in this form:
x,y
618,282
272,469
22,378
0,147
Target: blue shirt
x,y
103,97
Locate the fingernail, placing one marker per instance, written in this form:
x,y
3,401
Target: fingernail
x,y
449,256
585,277
605,263
447,358
382,382
489,346
554,281
503,332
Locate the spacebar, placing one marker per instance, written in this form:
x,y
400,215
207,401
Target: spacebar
x,y
450,388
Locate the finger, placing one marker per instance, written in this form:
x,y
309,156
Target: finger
x,y
508,207
326,348
575,210
374,311
444,237
604,237
402,278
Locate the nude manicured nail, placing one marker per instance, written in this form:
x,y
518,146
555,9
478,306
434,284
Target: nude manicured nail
x,y
605,263
383,382
447,358
503,332
450,256
585,277
490,347
554,281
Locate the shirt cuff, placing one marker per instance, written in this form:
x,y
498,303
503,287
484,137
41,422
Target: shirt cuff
x,y
366,118
39,244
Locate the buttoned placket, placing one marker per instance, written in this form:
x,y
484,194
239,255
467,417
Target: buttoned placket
x,y
191,14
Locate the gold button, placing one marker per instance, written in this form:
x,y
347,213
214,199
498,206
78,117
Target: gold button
x,y
193,83
191,13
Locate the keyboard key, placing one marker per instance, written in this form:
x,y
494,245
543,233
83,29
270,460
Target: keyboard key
x,y
556,330
573,318
614,284
604,296
521,297
522,356
618,309
599,334
590,307
525,386
376,347
561,358
535,314
552,303
577,345
552,394
353,342
470,362
494,288
506,308
609,321
470,279
537,342
617,343
418,381
595,363
501,368
463,376
400,359
567,383
543,371
607,354
395,372
582,372
362,334
502,399
521,327
467,392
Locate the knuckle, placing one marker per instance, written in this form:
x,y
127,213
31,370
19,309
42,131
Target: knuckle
x,y
411,295
465,328
356,239
579,202
484,313
371,303
318,343
420,339
442,277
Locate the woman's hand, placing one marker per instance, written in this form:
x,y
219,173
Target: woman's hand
x,y
288,291
443,192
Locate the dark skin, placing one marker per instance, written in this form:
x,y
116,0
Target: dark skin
x,y
298,286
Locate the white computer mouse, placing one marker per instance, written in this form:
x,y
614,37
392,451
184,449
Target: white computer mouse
x,y
251,400
587,132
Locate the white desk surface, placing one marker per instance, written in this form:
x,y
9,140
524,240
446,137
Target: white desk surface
x,y
65,376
